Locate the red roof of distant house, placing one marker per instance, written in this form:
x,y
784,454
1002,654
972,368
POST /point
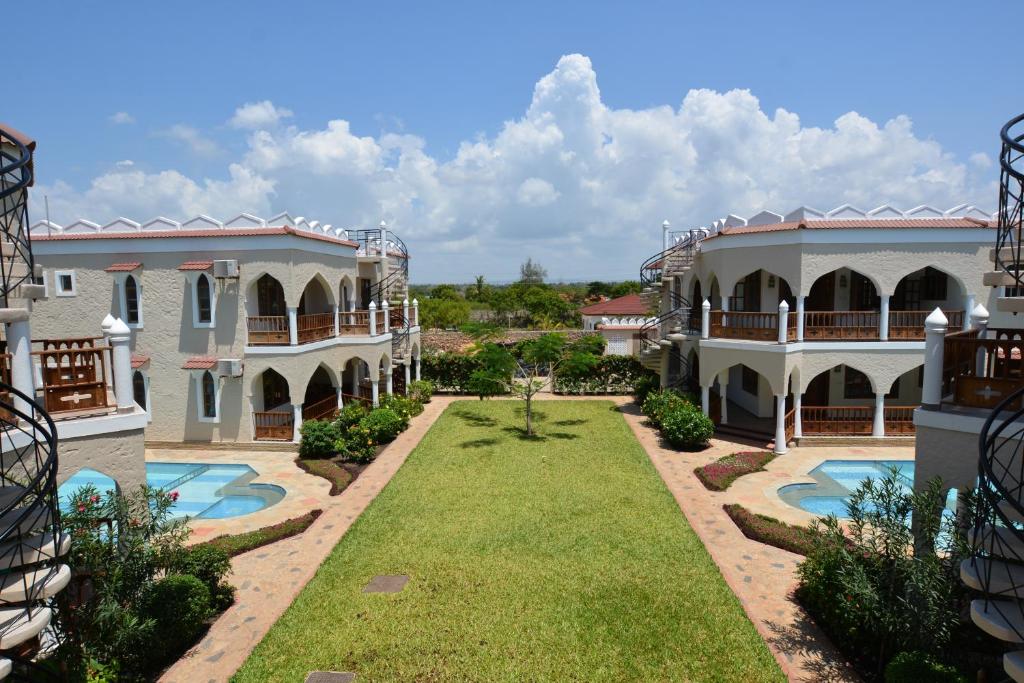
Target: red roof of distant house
x,y
631,304
123,267
138,361
200,363
196,265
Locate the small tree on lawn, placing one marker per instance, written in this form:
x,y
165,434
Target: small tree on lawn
x,y
528,373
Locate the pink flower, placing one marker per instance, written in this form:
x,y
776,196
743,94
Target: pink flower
x,y
81,508
95,499
174,496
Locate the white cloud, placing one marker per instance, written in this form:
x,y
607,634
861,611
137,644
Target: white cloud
x,y
122,118
125,163
256,115
192,139
570,176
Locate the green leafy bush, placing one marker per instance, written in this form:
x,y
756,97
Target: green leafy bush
x,y
914,667
644,386
659,403
607,375
317,439
178,605
350,415
210,565
383,425
770,531
686,427
357,445
450,371
421,390
404,406
871,592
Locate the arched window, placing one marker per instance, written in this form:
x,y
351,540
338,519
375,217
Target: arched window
x,y
209,395
131,300
139,389
204,300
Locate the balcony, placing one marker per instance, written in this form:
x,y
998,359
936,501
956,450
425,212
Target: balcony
x,y
275,330
822,325
981,367
74,376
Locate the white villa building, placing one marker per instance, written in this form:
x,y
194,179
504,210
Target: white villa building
x,y
810,325
618,320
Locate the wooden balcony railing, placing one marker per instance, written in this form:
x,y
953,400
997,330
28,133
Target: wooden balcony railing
x,y
324,409
354,323
745,325
268,330
979,372
836,420
899,420
910,324
314,327
352,398
842,325
790,423
73,373
274,425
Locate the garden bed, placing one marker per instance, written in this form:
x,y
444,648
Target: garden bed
x,y
718,475
339,474
236,544
770,531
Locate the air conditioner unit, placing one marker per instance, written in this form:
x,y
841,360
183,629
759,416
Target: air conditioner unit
x,y
225,268
229,367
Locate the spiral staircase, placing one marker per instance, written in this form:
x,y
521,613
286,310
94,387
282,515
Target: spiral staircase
x,y
393,285
656,276
996,567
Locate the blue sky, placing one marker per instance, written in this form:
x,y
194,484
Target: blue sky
x,y
441,123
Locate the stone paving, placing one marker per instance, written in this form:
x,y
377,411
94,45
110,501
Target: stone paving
x,y
268,579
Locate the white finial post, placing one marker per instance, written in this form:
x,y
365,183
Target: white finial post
x,y
783,321
405,312
120,338
373,319
416,312
664,234
387,315
979,322
705,319
935,326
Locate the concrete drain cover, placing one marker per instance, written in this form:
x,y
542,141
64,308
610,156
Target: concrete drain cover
x,y
386,583
330,677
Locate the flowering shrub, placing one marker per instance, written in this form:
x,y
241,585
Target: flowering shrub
x,y
357,445
351,414
686,427
763,529
421,391
318,437
719,474
384,424
644,386
610,375
659,403
404,406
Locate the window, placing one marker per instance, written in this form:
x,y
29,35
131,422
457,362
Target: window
x,y
209,395
131,301
751,381
204,300
139,390
65,282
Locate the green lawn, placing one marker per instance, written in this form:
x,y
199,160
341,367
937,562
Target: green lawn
x,y
558,558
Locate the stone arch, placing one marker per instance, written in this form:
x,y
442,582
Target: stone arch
x,y
266,296
323,369
85,476
321,385
903,299
761,280
814,276
716,361
317,296
270,390
808,375
346,293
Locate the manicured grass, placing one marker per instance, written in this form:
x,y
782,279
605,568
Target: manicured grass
x,y
236,544
718,475
557,558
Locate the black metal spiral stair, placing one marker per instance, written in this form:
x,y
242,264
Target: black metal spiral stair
x,y
996,567
392,286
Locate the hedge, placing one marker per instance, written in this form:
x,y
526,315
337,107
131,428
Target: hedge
x,y
613,375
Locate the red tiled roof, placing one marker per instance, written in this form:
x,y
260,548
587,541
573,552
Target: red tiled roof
x,y
138,361
631,304
123,267
847,223
225,232
196,265
200,363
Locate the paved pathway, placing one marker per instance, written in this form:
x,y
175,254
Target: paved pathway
x,y
268,579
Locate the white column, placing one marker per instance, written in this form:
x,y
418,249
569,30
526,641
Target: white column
x,y
388,376
407,378
978,319
934,341
969,311
878,423
780,424
341,400
19,345
355,380
883,318
120,339
405,312
293,326
664,235
705,319
723,387
800,317
336,326
387,316
705,399
296,422
375,392
783,321
416,313
798,426
108,361
373,319
417,368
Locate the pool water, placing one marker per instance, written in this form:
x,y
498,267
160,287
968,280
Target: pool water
x,y
836,480
204,491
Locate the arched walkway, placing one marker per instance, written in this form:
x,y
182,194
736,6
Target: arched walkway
x,y
315,317
842,304
921,292
355,381
267,321
320,401
273,414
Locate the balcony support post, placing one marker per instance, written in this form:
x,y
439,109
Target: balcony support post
x,y
969,311
934,341
375,392
120,340
407,378
387,315
19,343
355,381
293,326
296,423
800,300
783,321
878,421
883,318
723,387
337,327
780,424
388,374
417,368
373,319
705,399
798,426
341,400
705,319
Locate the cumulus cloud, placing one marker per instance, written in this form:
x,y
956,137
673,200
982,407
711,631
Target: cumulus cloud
x,y
191,139
254,115
121,118
570,176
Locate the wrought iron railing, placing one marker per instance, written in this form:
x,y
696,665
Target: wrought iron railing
x,y
392,247
1011,202
16,262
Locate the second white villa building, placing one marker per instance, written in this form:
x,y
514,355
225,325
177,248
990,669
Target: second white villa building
x,y
811,325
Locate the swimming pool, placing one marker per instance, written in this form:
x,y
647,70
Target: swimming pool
x,y
835,480
204,491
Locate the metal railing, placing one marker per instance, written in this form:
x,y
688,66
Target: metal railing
x,y
16,260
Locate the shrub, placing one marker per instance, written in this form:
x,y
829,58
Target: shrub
x,y
350,415
770,531
383,425
644,386
357,445
421,391
686,427
912,667
450,371
317,439
608,375
404,406
337,475
237,544
866,587
658,403
718,475
210,565
179,605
